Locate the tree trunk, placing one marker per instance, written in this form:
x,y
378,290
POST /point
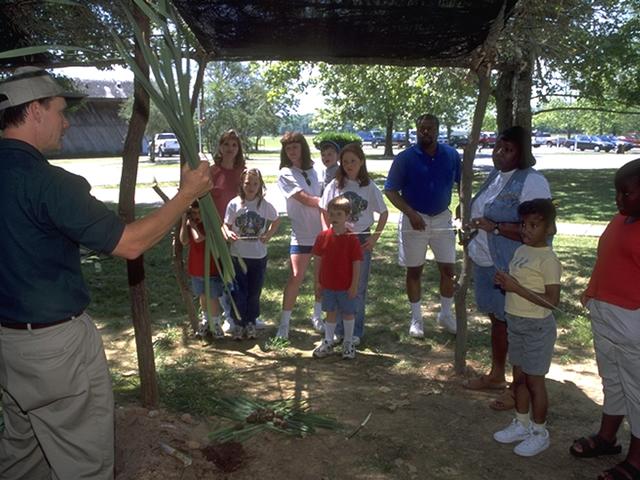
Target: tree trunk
x,y
388,144
126,208
465,214
513,96
504,99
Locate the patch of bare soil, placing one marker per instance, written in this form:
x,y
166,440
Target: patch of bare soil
x,y
424,424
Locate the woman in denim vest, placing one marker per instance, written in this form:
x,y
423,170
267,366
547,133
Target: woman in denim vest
x,y
494,213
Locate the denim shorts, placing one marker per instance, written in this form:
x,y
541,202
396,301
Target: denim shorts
x,y
300,249
489,297
338,301
216,288
531,342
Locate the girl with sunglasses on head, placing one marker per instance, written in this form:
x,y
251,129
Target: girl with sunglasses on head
x,y
299,184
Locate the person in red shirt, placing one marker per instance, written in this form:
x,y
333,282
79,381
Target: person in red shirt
x,y
613,300
338,256
192,233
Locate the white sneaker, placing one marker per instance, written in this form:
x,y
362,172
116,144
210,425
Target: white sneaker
x,y
324,349
228,325
203,328
318,324
238,332
260,325
348,351
448,322
515,432
283,330
536,442
218,332
251,331
416,330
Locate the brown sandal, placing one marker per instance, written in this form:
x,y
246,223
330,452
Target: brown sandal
x,y
505,401
483,383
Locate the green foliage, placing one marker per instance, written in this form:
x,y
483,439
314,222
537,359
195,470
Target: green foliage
x,y
341,138
235,96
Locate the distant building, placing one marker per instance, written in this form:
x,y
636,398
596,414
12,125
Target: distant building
x,y
96,126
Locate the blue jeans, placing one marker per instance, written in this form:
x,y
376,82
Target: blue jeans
x,y
247,290
361,297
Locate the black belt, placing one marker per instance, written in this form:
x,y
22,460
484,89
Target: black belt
x,y
34,326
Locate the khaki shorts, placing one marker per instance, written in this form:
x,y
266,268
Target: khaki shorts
x,y
616,338
437,235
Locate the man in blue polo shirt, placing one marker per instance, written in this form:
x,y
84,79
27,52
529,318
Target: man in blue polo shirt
x,y
56,390
419,184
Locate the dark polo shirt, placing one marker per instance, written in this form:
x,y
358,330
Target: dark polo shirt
x,y
45,214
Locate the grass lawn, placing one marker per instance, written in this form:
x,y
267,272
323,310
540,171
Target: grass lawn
x,y
387,310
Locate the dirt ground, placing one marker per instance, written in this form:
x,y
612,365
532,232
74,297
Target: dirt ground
x,y
423,425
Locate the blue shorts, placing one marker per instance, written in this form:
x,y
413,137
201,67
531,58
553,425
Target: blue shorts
x,y
489,297
338,301
300,249
216,288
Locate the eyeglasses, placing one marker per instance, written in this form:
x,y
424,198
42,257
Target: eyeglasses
x,y
306,178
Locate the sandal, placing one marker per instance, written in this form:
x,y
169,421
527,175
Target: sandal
x,y
483,383
505,401
594,446
622,471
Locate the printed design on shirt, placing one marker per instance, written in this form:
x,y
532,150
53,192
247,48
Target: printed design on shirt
x,y
357,204
520,262
249,224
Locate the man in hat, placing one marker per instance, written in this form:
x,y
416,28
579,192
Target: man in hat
x,y
419,184
57,399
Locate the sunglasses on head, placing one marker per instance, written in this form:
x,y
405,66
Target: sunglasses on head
x,y
306,178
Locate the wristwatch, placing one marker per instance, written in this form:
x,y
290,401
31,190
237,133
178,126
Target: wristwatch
x,y
496,229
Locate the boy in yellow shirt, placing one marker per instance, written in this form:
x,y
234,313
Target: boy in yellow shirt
x,y
532,289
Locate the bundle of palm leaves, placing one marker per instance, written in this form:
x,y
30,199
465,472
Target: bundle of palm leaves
x,y
288,416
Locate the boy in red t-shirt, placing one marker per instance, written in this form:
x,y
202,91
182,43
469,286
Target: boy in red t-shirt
x,y
337,268
192,233
613,300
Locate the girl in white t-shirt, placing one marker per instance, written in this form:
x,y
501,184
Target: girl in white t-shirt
x,y
246,221
353,182
299,184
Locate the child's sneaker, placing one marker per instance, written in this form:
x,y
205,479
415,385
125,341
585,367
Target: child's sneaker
x,y
324,349
337,339
237,332
251,331
283,331
416,330
203,329
515,432
318,324
260,325
217,331
228,325
355,341
348,351
448,322
536,442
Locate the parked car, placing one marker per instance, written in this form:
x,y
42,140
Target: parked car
x,y
631,138
586,142
164,144
372,137
487,140
399,139
540,138
168,148
458,140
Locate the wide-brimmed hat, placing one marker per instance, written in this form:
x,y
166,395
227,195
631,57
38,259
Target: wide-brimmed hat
x,y
31,83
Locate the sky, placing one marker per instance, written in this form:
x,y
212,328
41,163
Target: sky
x,y
309,102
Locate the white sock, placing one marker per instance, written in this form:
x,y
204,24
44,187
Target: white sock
x,y
538,427
329,330
416,312
317,310
523,418
446,303
215,320
348,330
286,316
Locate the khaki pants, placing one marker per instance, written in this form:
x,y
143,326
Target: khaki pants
x,y
58,403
